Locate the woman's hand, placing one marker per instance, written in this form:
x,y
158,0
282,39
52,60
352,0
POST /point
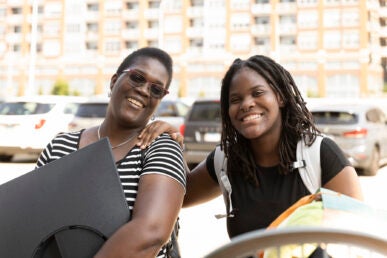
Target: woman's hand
x,y
155,129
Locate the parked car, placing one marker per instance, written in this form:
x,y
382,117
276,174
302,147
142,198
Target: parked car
x,y
93,112
90,113
172,111
360,130
202,130
28,123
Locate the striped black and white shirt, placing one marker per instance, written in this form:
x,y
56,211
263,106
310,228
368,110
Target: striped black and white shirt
x,y
163,156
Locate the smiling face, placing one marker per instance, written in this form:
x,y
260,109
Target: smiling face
x,y
133,106
254,108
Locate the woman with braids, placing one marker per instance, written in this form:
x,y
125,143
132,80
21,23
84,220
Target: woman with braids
x,y
263,118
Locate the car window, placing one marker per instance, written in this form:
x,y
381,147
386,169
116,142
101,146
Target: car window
x,y
166,109
206,111
335,117
24,108
71,108
92,110
182,109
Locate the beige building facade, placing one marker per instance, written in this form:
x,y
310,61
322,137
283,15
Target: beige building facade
x,y
333,48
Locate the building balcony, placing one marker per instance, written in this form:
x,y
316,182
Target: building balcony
x,y
260,29
130,14
151,33
287,7
287,29
383,11
130,34
195,32
196,11
383,51
152,14
259,9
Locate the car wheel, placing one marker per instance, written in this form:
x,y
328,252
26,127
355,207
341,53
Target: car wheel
x,y
374,164
6,158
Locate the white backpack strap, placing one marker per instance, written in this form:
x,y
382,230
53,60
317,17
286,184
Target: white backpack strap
x,y
309,164
220,165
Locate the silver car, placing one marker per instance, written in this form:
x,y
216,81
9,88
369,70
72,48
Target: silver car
x,y
360,130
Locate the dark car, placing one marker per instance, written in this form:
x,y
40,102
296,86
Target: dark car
x,y
201,130
360,130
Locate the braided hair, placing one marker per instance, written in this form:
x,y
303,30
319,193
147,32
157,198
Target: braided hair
x,y
297,120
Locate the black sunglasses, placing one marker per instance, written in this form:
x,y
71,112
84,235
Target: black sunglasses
x,y
136,79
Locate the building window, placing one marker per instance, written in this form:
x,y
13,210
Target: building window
x,y
332,18
91,45
307,19
131,5
131,24
332,39
196,43
92,27
92,7
112,46
131,44
16,48
112,27
197,2
16,10
17,29
154,4
153,43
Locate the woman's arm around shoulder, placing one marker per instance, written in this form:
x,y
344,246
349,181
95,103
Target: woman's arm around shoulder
x,y
201,187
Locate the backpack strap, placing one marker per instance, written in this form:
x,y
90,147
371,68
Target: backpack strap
x,y
309,164
220,165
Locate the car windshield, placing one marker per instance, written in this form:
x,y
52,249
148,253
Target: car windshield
x,y
206,111
24,108
92,110
334,117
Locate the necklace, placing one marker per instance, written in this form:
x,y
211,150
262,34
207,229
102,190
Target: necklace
x,y
119,145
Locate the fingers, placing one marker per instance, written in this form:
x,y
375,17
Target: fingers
x,y
155,129
179,138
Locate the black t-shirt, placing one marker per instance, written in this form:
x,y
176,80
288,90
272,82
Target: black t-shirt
x,y
257,207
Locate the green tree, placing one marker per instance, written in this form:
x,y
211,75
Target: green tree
x,y
61,87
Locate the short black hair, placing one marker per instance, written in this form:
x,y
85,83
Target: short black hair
x,y
151,52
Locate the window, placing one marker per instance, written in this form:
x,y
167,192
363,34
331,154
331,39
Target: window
x,y
112,46
332,18
132,5
91,45
92,27
17,29
16,10
131,44
154,4
332,39
93,7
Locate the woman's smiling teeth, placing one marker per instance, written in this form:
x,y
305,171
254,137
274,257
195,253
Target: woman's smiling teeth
x,y
251,117
135,102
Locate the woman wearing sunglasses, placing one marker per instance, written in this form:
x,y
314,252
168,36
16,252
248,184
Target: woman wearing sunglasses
x,y
153,178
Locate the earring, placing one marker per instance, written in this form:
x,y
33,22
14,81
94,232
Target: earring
x,y
109,93
153,117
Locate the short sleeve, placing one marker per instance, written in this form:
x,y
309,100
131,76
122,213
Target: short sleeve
x,y
164,156
333,160
210,165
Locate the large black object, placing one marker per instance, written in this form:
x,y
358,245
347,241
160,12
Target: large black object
x,y
67,208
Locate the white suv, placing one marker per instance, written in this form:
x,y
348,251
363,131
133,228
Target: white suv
x,y
28,123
